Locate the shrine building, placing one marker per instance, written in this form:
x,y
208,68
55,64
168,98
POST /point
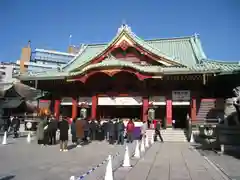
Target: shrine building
x,y
129,75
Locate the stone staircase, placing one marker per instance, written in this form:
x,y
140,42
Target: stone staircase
x,y
170,135
206,105
210,109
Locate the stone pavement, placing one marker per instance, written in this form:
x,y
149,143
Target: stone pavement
x,y
165,161
229,164
170,161
22,161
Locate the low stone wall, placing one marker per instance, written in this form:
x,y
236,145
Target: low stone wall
x,y
228,135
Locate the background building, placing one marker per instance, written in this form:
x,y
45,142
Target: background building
x,y
7,70
40,59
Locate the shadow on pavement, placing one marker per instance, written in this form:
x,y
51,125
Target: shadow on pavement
x,y
235,154
7,177
72,146
213,148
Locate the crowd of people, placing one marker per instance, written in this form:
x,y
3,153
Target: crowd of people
x,y
83,131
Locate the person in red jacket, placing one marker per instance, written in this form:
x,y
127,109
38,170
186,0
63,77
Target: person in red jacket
x,y
130,130
154,123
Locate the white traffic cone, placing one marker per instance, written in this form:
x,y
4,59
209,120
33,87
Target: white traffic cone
x,y
4,142
146,141
192,138
137,151
29,137
142,146
126,161
72,178
109,171
152,139
222,148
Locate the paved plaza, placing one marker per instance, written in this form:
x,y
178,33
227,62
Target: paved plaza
x,y
163,161
22,161
171,161
228,163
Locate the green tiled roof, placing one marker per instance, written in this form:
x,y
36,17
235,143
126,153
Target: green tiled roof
x,y
186,50
203,67
46,75
206,66
118,63
222,65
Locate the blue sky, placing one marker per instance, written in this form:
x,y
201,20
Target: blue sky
x,y
48,23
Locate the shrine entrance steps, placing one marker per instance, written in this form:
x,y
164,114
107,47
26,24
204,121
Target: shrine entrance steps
x,y
170,135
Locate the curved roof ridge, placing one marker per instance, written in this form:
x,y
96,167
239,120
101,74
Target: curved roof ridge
x,y
196,51
221,61
114,63
170,38
198,43
150,39
82,49
97,44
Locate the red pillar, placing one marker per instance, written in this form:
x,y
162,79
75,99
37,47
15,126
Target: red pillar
x,y
74,107
145,103
193,109
169,112
57,104
94,107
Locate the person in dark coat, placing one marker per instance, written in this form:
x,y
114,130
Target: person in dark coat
x,y
120,132
73,131
93,129
46,131
115,122
99,131
15,125
105,130
52,129
79,131
111,131
63,127
158,131
86,130
40,131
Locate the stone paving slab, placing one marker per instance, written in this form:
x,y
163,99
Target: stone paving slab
x,y
21,161
229,164
172,161
117,161
122,172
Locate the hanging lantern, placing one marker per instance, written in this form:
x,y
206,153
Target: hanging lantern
x,y
83,113
151,114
